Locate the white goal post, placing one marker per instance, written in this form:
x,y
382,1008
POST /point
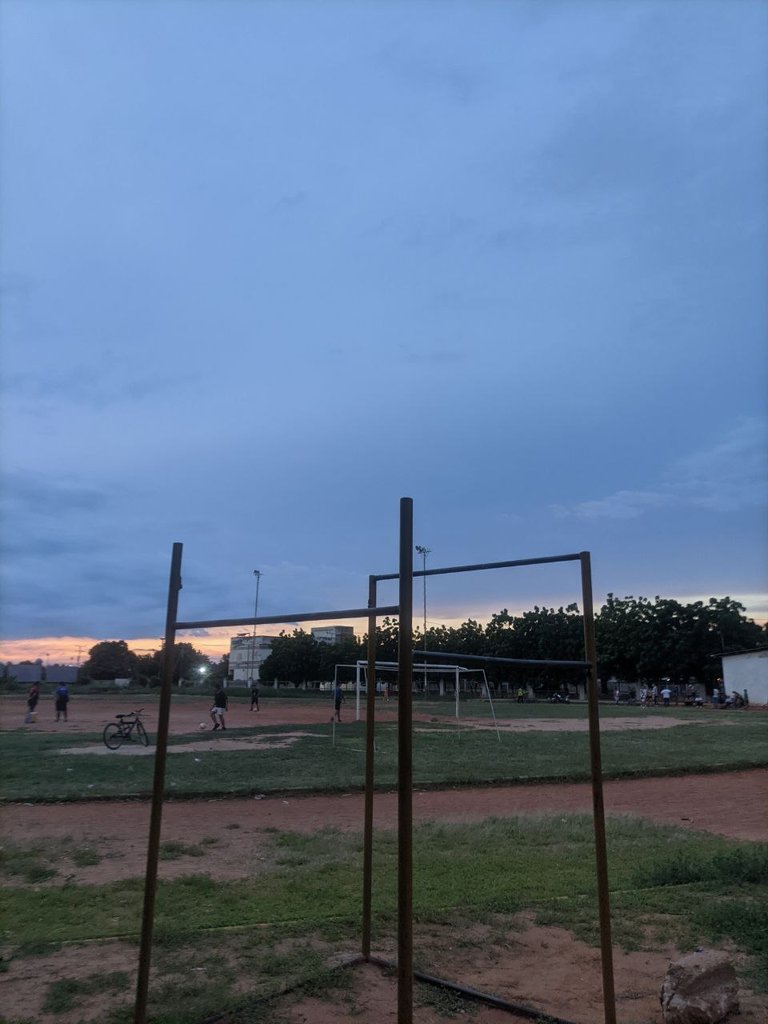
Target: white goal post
x,y
361,671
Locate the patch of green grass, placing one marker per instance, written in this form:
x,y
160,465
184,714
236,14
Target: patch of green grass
x,y
34,768
732,865
444,1001
67,993
484,869
86,857
26,861
173,850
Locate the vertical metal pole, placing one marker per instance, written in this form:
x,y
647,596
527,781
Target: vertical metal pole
x,y
405,771
598,810
370,712
252,662
161,747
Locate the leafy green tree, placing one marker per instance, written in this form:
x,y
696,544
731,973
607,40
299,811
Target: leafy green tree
x,y
189,662
110,659
295,658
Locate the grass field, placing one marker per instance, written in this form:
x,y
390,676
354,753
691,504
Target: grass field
x,y
35,769
667,884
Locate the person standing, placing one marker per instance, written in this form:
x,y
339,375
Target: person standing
x,y
62,699
338,697
254,697
666,693
219,708
32,698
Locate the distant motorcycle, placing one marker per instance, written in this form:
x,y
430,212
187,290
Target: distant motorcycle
x,y
559,698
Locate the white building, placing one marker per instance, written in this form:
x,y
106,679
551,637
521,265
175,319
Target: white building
x,y
747,670
246,656
332,634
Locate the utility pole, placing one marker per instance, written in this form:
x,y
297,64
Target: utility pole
x,y
252,658
424,552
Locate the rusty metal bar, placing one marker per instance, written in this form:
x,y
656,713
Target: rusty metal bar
x,y
161,748
518,1009
598,809
263,620
370,712
405,770
483,565
507,661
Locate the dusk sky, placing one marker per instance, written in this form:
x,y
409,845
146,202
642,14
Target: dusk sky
x,y
267,267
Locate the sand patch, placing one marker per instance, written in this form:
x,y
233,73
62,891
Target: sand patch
x,y
265,741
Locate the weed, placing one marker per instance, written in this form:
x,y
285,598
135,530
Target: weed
x,y
66,993
173,850
444,1001
86,857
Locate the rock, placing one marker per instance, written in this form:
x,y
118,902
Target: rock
x,y
699,988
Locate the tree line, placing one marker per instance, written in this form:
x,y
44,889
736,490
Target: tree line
x,y
637,639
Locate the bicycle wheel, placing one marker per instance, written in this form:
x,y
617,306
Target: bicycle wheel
x,y
113,735
141,734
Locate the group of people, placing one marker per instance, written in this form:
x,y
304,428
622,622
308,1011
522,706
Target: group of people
x,y
61,695
221,704
720,699
653,695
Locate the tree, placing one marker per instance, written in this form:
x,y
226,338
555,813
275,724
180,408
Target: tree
x,y
109,659
189,662
294,658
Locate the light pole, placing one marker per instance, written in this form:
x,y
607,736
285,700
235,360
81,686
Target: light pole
x,y
252,659
424,552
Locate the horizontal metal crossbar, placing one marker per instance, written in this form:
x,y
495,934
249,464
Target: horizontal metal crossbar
x,y
264,620
505,661
482,565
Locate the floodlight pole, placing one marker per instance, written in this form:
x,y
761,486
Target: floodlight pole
x,y
405,770
252,659
598,809
424,552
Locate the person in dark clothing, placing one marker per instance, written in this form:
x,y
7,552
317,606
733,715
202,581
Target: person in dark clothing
x,y
338,698
254,697
32,698
219,709
62,699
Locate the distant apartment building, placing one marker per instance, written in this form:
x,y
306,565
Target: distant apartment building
x,y
246,656
333,634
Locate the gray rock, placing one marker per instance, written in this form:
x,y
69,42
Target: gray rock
x,y
699,988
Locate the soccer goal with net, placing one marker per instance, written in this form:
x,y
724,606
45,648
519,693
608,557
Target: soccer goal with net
x,y
427,680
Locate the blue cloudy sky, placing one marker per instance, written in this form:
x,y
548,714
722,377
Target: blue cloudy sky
x,y
266,267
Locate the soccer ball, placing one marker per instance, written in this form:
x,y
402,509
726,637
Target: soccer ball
x,y
203,725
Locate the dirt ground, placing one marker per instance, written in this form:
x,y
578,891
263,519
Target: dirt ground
x,y
543,967
92,714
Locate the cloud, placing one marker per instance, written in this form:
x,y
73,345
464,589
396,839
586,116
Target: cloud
x,y
728,477
90,387
731,476
621,505
32,494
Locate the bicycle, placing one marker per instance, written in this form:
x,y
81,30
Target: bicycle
x,y
118,732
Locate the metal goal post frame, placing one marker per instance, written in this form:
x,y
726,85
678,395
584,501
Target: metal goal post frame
x,y
404,611
405,579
